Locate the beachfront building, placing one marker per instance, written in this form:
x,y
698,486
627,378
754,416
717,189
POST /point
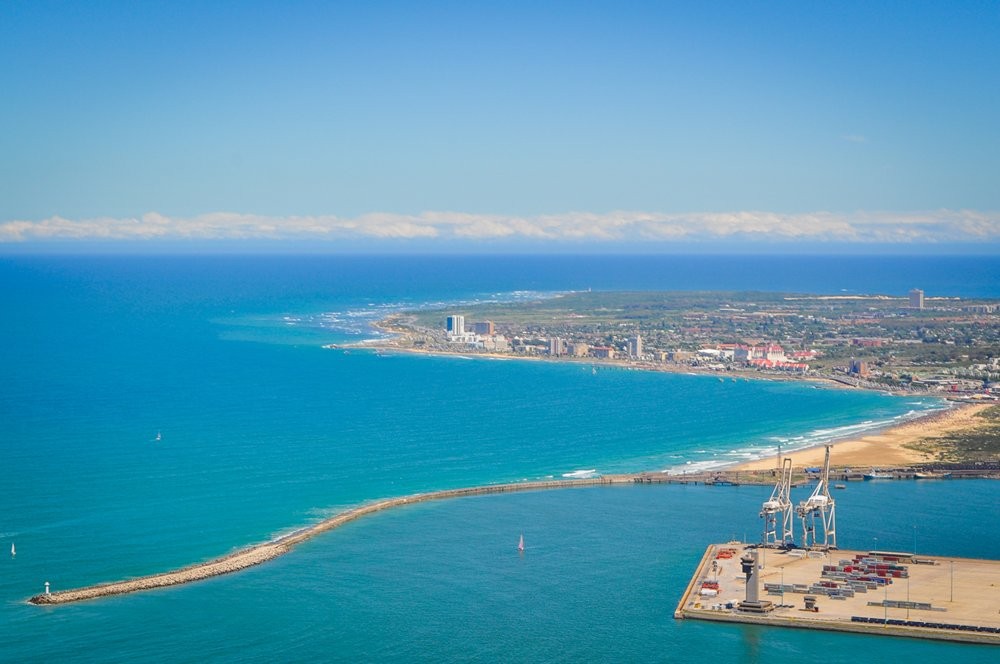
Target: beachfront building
x,y
578,349
557,347
916,299
455,325
603,352
496,343
800,367
769,352
635,347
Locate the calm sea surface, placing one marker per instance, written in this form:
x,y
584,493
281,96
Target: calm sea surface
x,y
263,431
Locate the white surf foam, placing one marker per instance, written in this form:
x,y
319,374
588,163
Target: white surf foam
x,y
581,474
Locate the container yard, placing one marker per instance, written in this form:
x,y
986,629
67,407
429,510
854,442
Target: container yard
x,y
876,592
819,586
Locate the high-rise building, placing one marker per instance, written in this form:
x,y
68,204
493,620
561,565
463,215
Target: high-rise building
x,y
557,346
485,328
916,299
455,325
635,347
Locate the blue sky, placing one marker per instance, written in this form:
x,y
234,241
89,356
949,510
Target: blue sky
x,y
501,124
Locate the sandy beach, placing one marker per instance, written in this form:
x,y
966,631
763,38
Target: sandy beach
x,y
884,448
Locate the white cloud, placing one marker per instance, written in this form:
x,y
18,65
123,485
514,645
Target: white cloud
x,y
620,226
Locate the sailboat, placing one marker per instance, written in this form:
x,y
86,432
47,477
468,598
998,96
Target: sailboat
x,y
13,551
520,544
159,436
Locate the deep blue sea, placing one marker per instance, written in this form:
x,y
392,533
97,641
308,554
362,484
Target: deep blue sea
x,y
262,431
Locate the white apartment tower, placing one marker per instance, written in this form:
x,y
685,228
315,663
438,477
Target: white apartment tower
x,y
916,299
455,325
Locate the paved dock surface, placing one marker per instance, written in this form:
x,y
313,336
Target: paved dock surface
x,y
923,596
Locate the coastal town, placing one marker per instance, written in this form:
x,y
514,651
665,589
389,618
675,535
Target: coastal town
x,y
902,343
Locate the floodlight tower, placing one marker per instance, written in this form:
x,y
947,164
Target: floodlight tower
x,y
819,504
780,503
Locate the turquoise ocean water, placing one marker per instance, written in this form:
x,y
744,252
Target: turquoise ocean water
x,y
263,431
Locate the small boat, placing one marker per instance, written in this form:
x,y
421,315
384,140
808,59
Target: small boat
x,y
593,371
159,436
13,551
839,486
520,544
930,476
877,474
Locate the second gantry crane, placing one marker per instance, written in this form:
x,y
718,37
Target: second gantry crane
x,y
818,513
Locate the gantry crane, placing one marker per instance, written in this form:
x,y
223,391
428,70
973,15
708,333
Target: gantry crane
x,y
779,506
820,504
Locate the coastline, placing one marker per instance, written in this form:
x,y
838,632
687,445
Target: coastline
x,y
888,447
881,448
381,346
399,338
885,448
894,445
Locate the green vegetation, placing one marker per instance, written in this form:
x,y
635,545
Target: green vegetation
x,y
901,346
981,443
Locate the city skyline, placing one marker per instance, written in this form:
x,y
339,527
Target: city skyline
x,y
527,127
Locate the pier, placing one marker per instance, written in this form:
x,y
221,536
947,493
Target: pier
x,y
260,553
871,592
265,551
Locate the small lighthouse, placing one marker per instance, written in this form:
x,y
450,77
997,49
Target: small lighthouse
x,y
47,588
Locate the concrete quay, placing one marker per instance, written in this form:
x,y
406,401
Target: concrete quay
x,y
869,592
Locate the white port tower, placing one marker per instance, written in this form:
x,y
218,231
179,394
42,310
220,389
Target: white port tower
x,y
778,508
819,513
